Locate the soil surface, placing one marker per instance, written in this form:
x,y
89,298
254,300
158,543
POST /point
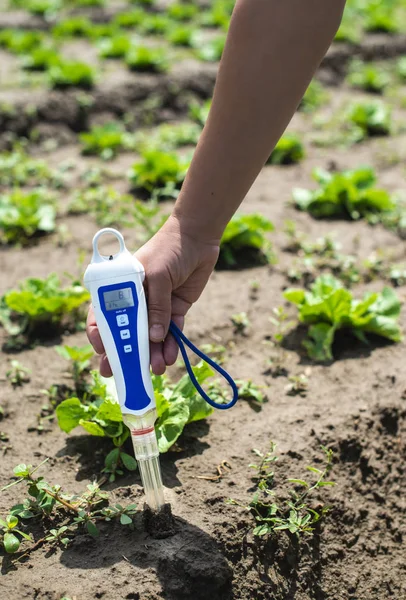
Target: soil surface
x,y
356,405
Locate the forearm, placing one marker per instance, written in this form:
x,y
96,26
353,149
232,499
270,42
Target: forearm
x,y
272,51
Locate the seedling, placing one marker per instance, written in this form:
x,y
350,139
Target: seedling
x,y
181,35
19,41
47,504
247,390
241,323
79,358
168,137
218,15
294,515
298,384
329,307
244,238
17,374
349,194
289,150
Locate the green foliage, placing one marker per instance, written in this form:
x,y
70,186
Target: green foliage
x,y
142,58
349,194
18,168
212,50
39,305
110,208
293,515
246,233
218,15
328,307
40,59
17,374
71,74
381,17
48,504
158,169
368,77
371,118
199,112
241,322
314,97
44,8
105,140
289,150
182,11
79,358
169,136
73,27
181,35
24,215
401,68
19,41
129,19
99,413
116,46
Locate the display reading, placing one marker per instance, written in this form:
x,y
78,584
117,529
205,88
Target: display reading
x,y
118,299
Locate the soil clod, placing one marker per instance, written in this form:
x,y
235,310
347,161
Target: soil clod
x,y
159,524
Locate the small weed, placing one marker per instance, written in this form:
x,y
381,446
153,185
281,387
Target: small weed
x,y
17,374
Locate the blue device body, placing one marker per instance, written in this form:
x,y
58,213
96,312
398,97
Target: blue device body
x,y
119,304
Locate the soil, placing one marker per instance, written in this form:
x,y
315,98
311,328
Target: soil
x,y
356,405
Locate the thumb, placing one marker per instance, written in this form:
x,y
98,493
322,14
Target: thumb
x,y
159,306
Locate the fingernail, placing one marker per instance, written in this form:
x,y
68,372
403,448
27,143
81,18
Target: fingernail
x,y
156,333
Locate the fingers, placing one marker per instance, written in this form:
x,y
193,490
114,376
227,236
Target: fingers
x,y
159,306
105,369
170,346
158,364
93,332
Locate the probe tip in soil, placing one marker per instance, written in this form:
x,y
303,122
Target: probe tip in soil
x,y
159,524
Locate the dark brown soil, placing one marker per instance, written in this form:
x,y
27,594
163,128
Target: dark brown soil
x,y
356,405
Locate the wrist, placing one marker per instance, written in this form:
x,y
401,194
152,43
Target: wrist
x,y
195,227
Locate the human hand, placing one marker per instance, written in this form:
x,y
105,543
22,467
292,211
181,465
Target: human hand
x,y
177,267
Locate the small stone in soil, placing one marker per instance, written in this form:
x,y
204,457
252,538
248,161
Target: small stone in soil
x,y
159,524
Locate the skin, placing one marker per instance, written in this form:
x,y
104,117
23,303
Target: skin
x,y
272,51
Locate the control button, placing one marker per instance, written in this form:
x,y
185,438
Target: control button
x,y
122,320
124,334
128,348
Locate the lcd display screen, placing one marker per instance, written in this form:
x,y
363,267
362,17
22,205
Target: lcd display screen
x,y
118,299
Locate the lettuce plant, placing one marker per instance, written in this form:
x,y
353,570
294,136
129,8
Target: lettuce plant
x,y
181,35
349,194
71,74
157,169
19,41
182,11
129,19
368,77
40,305
18,168
105,140
371,118
288,150
115,46
142,58
98,411
73,27
245,234
329,307
169,136
40,59
23,215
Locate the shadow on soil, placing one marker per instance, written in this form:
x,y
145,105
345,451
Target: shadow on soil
x,y
90,452
188,564
346,346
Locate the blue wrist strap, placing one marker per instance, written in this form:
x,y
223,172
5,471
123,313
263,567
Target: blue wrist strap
x,y
182,340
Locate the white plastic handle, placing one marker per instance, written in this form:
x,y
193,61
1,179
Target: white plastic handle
x,y
97,257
